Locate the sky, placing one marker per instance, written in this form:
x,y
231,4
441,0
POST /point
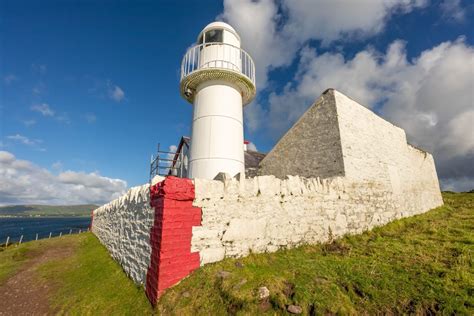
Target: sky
x,y
89,88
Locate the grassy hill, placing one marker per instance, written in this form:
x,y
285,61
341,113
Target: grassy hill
x,y
47,210
419,265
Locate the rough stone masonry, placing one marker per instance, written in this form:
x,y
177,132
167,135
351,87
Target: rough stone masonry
x,y
339,170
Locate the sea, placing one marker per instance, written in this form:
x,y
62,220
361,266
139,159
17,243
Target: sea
x,y
15,227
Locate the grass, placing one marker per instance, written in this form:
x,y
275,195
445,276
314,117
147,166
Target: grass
x,y
418,265
91,283
88,282
12,259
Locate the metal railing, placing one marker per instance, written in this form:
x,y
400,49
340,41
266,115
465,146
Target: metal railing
x,y
18,240
168,163
218,55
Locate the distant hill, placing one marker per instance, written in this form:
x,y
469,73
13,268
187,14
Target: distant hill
x,y
47,210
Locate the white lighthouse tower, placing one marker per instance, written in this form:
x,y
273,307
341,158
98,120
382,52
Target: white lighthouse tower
x,y
218,78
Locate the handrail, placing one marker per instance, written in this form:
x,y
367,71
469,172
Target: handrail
x,y
223,56
168,163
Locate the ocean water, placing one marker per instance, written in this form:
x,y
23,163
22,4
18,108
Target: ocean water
x,y
29,227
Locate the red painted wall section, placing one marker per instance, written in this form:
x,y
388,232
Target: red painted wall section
x,y
170,237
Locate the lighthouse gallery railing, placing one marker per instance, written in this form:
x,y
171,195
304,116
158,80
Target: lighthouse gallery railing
x,y
223,56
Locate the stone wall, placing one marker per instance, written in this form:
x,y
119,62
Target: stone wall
x,y
175,216
376,150
312,147
196,222
337,136
264,214
123,227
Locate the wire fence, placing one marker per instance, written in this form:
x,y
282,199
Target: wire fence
x,y
18,240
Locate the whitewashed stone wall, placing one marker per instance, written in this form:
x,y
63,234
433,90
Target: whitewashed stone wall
x,y
264,214
376,150
123,226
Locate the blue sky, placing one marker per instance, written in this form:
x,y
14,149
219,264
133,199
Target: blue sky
x,y
89,88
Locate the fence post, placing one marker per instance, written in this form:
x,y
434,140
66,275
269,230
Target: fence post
x,y
36,236
8,239
79,231
21,239
70,231
49,235
60,234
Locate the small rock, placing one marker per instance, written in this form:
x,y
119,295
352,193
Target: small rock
x,y
223,274
186,294
239,264
263,292
294,309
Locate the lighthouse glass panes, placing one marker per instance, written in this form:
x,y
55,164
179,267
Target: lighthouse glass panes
x,y
217,77
213,36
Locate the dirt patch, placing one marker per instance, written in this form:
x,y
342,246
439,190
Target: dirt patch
x,y
24,293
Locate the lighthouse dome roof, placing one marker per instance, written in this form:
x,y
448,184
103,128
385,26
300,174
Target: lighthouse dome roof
x,y
219,25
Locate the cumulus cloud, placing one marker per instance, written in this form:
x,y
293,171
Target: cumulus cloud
x,y
256,22
115,92
251,146
273,33
43,108
26,183
336,19
453,10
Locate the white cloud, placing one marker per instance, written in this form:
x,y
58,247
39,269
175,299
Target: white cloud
x,y
431,97
273,34
256,22
46,110
21,139
251,146
26,183
8,79
453,10
43,108
35,143
172,149
115,92
6,157
63,118
29,123
340,19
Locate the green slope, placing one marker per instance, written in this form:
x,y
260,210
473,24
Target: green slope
x,y
47,210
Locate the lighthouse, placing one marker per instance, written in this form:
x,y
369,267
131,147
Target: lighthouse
x,y
218,78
